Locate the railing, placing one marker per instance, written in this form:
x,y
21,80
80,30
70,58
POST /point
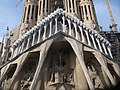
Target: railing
x,y
60,21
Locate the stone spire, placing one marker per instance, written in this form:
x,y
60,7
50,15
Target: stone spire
x,y
29,15
88,14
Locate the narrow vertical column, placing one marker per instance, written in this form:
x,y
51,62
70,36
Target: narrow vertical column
x,y
76,33
33,40
83,38
63,23
12,50
79,54
41,16
75,6
89,16
103,44
19,47
109,50
70,31
39,32
44,35
100,59
93,41
84,13
68,6
28,42
98,41
22,46
45,7
56,24
71,6
50,29
88,38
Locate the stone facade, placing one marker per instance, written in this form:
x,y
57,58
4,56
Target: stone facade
x,y
59,52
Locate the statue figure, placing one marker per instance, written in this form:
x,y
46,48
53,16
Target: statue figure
x,y
94,77
57,77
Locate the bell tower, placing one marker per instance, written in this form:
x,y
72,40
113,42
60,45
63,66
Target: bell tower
x,y
88,14
48,6
29,15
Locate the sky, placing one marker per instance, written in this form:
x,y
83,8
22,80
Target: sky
x,y
10,15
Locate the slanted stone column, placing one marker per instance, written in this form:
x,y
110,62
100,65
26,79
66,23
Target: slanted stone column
x,y
56,24
76,33
33,40
88,38
43,53
94,44
39,35
98,41
70,31
81,30
100,59
103,44
50,28
77,47
109,50
63,18
68,6
44,35
105,77
28,41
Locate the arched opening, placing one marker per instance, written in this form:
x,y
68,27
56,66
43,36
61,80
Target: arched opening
x,y
25,76
9,74
94,70
56,69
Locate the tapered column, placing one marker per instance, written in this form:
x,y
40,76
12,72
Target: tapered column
x,y
104,66
64,28
19,48
33,40
22,47
94,44
105,77
41,16
76,33
77,47
88,38
71,5
103,44
43,53
44,35
75,6
28,42
50,29
81,30
39,32
109,50
70,31
98,41
56,24
68,6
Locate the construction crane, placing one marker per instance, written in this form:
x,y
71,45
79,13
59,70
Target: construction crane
x,y
114,25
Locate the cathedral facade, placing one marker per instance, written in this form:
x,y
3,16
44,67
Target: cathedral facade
x,y
57,47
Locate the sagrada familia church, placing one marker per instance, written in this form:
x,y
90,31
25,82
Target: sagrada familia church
x,y
57,47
